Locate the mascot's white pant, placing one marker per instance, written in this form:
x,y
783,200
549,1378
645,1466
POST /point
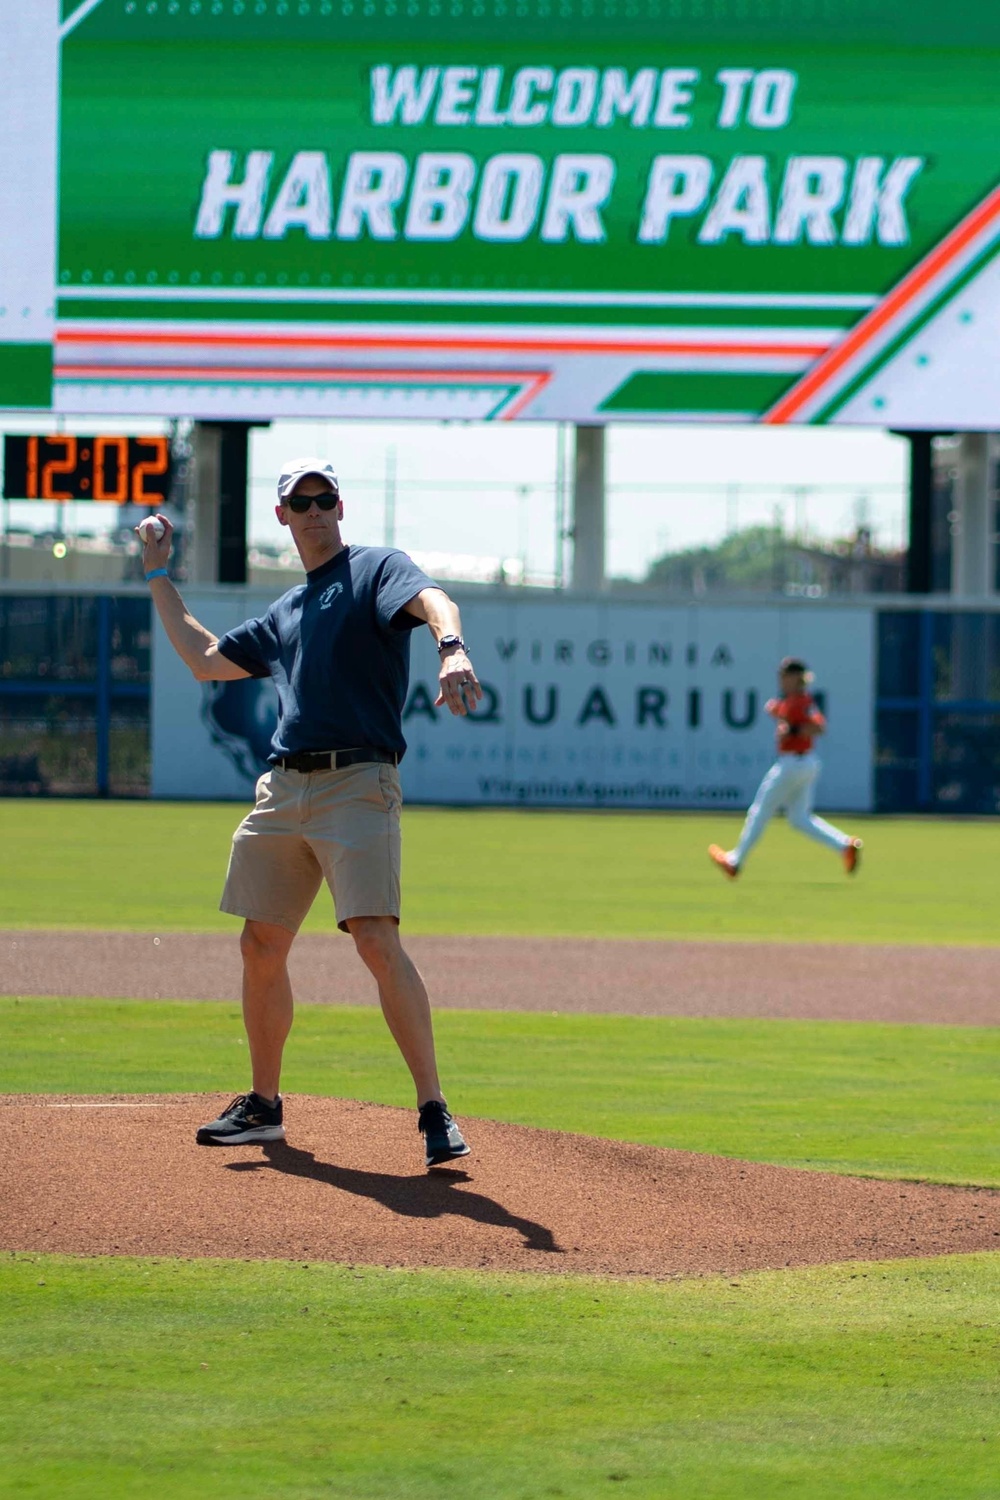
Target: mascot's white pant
x,y
789,786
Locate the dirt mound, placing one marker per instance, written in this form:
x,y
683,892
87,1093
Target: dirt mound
x,y
122,1176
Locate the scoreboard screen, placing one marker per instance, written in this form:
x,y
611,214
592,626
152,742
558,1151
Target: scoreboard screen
x,y
110,469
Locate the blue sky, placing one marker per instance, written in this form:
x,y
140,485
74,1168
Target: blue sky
x,y
490,489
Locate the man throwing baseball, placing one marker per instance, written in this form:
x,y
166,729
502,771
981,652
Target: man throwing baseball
x,y
338,649
790,784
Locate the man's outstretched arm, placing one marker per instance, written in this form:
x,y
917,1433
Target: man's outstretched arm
x,y
457,681
196,646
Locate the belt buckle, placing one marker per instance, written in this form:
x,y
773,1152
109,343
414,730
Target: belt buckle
x,y
305,761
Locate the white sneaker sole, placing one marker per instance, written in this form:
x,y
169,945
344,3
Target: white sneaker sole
x,y
259,1133
442,1161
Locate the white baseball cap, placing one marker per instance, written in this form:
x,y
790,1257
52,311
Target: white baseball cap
x,y
298,468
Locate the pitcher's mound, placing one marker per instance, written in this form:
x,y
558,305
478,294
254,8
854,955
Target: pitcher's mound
x,y
122,1176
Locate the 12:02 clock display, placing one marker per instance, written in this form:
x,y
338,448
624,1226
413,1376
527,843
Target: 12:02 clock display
x,y
110,469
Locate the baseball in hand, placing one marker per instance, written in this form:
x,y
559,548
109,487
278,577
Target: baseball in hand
x,y
151,529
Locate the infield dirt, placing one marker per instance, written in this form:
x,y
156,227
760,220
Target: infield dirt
x,y
123,1176
803,981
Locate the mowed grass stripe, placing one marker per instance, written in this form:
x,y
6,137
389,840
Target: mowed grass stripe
x,y
880,1100
160,866
131,1377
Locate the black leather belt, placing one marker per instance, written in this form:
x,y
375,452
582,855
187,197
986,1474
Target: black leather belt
x,y
336,760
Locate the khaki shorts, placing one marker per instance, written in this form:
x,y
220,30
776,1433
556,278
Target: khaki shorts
x,y
341,826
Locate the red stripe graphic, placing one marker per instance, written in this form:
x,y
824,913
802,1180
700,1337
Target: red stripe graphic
x,y
729,347
872,323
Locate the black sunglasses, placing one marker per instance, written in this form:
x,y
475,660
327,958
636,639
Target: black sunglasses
x,y
326,500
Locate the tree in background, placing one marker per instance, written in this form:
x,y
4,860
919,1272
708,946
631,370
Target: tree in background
x,y
750,560
761,559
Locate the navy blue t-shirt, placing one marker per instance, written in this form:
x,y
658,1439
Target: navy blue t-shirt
x,y
338,649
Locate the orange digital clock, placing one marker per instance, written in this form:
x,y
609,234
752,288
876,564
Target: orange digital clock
x,y
109,469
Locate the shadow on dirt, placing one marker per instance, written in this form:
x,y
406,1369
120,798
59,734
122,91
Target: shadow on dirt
x,y
426,1197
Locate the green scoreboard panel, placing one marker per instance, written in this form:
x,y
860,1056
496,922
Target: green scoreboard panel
x,y
587,210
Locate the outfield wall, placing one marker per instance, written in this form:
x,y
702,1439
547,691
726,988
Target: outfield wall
x,y
587,704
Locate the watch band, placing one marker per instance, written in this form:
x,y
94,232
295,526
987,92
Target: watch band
x,y
451,643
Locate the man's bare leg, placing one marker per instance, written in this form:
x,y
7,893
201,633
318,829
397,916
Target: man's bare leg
x,y
267,1001
404,999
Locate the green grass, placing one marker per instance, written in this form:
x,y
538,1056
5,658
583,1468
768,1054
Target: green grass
x,y
138,1378
161,865
890,1101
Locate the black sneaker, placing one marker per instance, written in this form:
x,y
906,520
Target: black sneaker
x,y
249,1118
442,1137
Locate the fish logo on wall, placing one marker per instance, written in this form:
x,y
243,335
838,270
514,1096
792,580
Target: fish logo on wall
x,y
240,718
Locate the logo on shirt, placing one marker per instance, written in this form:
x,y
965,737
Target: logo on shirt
x,y
327,597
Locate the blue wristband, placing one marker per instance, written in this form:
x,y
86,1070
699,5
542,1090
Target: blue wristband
x,y
156,573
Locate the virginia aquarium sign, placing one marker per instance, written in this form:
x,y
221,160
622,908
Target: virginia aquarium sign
x,y
584,705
